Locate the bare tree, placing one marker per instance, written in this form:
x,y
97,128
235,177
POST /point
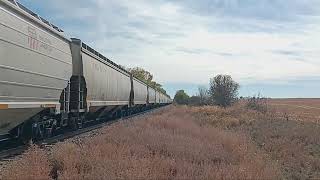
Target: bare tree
x,y
223,90
203,95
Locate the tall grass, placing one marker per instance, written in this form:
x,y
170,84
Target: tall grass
x,y
170,144
292,143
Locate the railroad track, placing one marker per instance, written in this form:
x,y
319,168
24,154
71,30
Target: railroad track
x,y
18,149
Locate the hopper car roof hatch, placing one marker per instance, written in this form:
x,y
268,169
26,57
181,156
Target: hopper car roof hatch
x,y
35,15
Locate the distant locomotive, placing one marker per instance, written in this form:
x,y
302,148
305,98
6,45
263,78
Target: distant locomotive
x,y
49,82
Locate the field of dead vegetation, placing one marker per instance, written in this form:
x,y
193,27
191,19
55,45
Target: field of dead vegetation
x,y
181,142
297,108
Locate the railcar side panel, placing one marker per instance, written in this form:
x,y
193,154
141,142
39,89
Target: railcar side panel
x,y
35,67
152,95
157,97
106,85
161,98
140,92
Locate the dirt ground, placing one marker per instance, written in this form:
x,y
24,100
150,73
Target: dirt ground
x,y
182,142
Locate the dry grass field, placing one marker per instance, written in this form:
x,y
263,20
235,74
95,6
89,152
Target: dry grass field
x,y
312,103
297,109
182,143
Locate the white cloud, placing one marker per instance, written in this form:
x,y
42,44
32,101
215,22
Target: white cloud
x,y
180,45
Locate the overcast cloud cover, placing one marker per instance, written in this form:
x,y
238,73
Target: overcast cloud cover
x,y
269,46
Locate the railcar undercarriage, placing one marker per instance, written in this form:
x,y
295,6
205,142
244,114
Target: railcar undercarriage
x,y
45,125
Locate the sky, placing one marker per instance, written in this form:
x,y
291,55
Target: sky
x,y
271,47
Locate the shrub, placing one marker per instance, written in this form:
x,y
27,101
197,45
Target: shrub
x,y
257,103
181,97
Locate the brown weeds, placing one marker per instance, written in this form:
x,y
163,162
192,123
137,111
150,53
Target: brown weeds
x,y
33,165
168,145
292,143
182,143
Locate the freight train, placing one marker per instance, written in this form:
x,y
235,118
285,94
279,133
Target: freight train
x,y
49,82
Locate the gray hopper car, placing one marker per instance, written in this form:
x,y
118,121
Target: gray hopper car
x,y
50,82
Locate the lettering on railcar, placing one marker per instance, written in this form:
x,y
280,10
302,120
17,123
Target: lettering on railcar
x,y
33,38
45,43
37,41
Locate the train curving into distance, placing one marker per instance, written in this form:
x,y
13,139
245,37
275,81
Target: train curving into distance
x,y
50,83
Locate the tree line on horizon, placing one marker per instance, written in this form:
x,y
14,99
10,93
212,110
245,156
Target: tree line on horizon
x,y
146,77
222,91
